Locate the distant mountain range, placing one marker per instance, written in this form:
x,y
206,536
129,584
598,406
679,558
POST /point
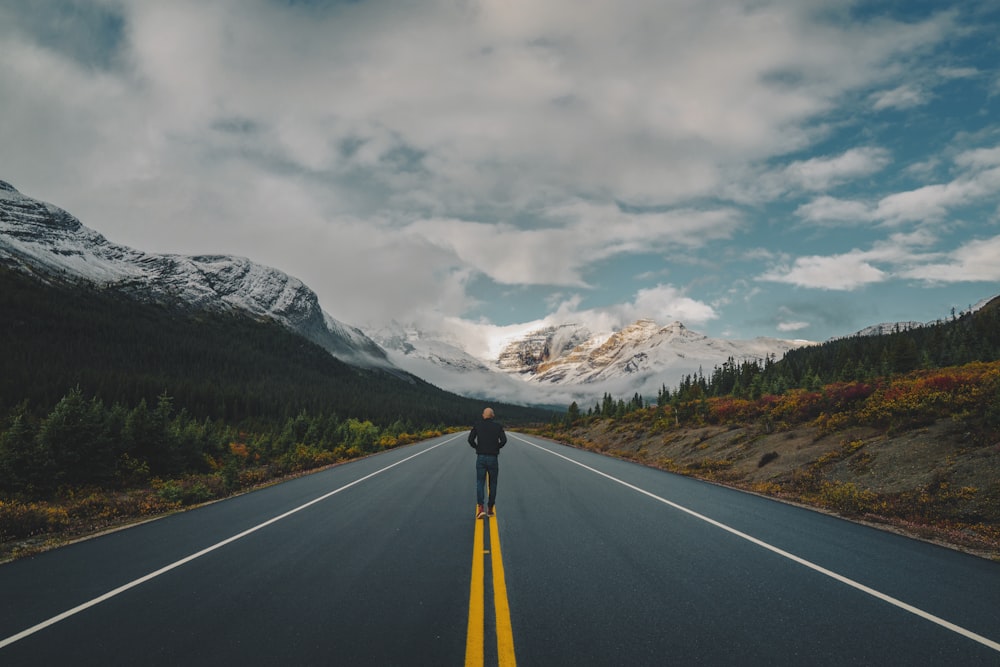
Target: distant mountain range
x,y
552,365
560,364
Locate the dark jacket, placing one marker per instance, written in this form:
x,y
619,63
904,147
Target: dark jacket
x,y
487,437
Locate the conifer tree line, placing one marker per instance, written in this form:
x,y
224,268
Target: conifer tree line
x,y
84,442
960,340
608,407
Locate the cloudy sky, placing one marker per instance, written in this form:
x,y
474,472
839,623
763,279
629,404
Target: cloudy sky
x,y
790,168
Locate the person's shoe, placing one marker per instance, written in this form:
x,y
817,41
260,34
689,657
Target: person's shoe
x,y
480,512
489,511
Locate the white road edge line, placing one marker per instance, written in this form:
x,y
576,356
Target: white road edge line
x,y
152,575
989,643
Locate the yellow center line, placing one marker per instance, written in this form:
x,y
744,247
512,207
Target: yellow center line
x,y
505,634
475,634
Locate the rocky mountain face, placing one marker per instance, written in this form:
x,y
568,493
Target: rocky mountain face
x,y
526,355
46,241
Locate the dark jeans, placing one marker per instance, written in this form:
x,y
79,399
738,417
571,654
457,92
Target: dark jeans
x,y
486,464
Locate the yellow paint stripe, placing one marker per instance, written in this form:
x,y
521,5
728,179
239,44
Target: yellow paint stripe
x,y
474,633
505,634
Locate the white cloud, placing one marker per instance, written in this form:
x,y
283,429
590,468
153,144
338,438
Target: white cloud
x,y
977,180
823,173
932,202
816,174
792,326
848,271
575,236
827,210
975,261
904,255
957,72
980,158
903,97
665,303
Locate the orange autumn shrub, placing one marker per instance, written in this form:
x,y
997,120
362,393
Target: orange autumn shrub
x,y
924,396
728,410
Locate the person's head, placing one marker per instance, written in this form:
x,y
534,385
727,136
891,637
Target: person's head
x,y
488,413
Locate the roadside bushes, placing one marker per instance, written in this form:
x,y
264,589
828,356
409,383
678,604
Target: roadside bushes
x,y
846,498
19,520
85,443
896,403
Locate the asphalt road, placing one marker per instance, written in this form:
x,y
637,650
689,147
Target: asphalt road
x,y
603,562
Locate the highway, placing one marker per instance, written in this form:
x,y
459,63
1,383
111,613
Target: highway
x,y
588,561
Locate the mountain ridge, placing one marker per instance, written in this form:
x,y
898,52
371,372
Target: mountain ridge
x,y
48,242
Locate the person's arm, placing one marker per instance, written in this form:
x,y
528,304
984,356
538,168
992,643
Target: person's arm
x,y
503,437
472,437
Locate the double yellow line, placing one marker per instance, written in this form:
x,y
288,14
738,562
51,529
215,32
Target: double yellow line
x,y
475,636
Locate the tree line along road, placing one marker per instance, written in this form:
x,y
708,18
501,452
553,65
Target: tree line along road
x,y
588,561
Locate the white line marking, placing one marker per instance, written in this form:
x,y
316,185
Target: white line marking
x,y
152,575
790,556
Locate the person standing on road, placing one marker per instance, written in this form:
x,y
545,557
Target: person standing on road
x,y
487,437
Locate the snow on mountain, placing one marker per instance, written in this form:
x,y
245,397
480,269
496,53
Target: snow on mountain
x,y
45,240
562,363
643,357
442,361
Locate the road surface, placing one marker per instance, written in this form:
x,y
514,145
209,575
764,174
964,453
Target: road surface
x,y
588,561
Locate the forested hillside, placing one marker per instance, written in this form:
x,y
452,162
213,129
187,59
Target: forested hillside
x,y
100,392
974,336
225,367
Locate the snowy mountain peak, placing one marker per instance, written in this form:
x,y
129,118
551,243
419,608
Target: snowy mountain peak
x,y
35,218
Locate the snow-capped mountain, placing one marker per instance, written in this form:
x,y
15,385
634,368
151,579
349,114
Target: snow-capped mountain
x,y
645,348
50,243
559,364
645,356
